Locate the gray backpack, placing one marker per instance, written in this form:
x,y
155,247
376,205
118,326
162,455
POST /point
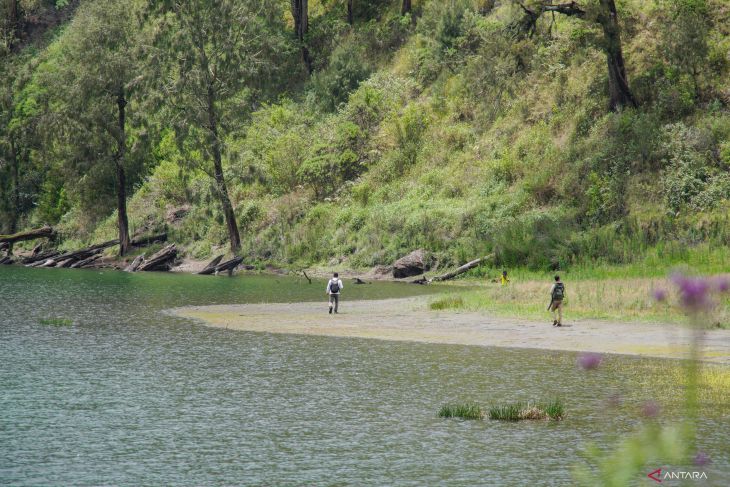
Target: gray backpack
x,y
558,291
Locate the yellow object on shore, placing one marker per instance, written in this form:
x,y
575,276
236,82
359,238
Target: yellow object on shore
x,y
504,280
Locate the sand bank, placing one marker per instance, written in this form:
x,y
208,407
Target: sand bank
x,y
410,320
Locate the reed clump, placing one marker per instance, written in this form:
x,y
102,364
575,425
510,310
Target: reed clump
x,y
468,410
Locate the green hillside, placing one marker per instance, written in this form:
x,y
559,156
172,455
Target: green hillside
x,y
461,127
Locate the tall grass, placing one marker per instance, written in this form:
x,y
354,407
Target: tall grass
x,y
620,299
55,321
447,302
521,411
468,410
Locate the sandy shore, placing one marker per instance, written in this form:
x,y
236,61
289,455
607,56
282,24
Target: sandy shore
x,y
411,320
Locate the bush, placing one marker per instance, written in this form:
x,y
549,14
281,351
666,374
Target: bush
x,y
347,68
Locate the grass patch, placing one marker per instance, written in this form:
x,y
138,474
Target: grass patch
x,y
447,302
521,411
468,410
626,299
56,321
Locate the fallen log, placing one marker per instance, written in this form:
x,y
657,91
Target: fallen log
x,y
77,255
142,241
66,263
228,265
35,260
135,264
469,265
43,232
160,261
210,268
6,260
85,262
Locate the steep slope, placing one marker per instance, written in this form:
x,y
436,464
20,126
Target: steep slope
x,y
462,131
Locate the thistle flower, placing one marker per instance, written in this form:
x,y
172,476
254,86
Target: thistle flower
x,y
694,293
660,295
701,459
589,361
722,284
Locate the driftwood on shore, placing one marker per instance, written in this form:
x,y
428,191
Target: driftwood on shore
x,y
135,264
210,268
6,260
86,257
43,232
228,265
162,260
143,241
456,272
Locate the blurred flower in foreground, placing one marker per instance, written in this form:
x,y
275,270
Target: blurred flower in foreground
x,y
589,360
722,284
660,295
694,292
701,459
650,409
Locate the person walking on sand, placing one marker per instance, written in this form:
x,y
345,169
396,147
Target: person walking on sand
x,y
334,286
504,279
557,293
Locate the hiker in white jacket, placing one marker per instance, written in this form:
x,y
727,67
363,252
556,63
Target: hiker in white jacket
x,y
334,286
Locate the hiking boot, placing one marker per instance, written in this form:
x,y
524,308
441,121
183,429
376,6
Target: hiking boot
x,y
555,322
330,310
559,324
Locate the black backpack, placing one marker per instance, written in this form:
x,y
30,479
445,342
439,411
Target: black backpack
x,y
334,287
559,291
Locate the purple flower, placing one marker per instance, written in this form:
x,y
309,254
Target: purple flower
x,y
722,284
660,295
650,409
589,360
693,292
701,459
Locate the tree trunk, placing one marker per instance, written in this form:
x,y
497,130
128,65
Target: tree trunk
x,y
16,193
300,13
405,7
121,179
13,21
220,181
618,86
43,232
350,18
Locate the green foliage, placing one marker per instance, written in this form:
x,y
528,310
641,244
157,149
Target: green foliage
x,y
447,130
347,68
468,410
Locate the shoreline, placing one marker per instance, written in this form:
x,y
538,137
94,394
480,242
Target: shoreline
x,y
409,319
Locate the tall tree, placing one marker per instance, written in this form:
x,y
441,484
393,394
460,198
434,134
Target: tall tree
x,y
350,13
98,73
216,54
300,13
405,7
603,13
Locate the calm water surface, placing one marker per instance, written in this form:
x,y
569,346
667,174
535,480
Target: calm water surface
x,y
129,395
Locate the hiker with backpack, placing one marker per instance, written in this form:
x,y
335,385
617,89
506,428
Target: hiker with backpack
x,y
557,293
334,286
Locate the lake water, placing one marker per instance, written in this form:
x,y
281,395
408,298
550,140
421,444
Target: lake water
x,y
129,395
